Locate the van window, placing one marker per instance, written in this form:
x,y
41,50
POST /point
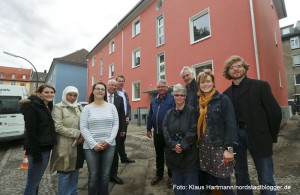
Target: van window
x,y
9,104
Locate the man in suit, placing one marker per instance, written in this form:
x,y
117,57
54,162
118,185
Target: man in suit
x,y
127,108
258,117
114,98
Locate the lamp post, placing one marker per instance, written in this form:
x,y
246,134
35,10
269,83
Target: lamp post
x,y
16,56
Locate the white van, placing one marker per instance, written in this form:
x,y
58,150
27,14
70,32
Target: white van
x,y
12,125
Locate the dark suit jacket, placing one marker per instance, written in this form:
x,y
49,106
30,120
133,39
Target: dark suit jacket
x,y
118,102
262,115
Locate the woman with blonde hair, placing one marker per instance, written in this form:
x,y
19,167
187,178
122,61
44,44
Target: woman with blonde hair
x,y
67,155
217,132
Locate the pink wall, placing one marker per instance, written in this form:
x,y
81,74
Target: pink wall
x,y
231,33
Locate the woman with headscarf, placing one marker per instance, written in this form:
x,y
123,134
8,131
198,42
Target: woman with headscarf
x,y
217,132
67,155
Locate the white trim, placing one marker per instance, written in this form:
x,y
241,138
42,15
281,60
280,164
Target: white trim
x,y
295,44
134,33
162,35
275,37
192,19
112,45
295,79
298,61
201,64
133,65
158,64
101,67
93,79
111,69
280,82
93,61
133,91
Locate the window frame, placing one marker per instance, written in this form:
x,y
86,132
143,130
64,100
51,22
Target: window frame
x,y
112,46
202,64
23,76
13,76
133,64
295,75
133,91
93,79
191,21
294,64
101,66
111,71
159,64
158,27
134,29
93,61
2,75
293,41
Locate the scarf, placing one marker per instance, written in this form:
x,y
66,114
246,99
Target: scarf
x,y
64,94
204,100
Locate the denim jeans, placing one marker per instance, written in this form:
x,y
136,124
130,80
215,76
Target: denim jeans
x,y
216,181
35,173
183,183
159,145
264,167
67,182
99,164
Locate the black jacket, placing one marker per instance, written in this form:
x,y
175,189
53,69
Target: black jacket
x,y
181,127
191,96
119,104
40,132
262,114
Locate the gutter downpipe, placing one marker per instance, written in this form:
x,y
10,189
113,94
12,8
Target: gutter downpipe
x,y
122,51
254,40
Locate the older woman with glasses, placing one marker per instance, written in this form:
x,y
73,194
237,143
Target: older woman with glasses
x,y
217,132
99,125
179,129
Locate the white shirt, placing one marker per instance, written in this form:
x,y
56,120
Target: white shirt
x,y
121,93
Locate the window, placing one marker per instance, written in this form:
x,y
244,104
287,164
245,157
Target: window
x,y
161,68
101,67
160,34
136,58
13,76
200,26
94,61
23,76
136,27
112,47
294,42
93,80
2,75
136,91
159,4
111,71
13,83
296,60
200,67
285,31
9,104
297,79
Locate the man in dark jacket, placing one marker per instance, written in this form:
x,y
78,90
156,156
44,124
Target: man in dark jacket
x,y
114,98
191,85
258,117
158,109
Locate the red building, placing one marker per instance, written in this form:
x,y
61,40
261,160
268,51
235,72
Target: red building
x,y
15,76
158,37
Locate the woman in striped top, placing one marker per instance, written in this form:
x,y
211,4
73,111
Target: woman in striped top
x,y
99,124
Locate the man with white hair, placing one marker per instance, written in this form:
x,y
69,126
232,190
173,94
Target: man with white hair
x,y
191,85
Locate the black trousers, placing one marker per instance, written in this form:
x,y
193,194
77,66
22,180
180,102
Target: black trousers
x,y
121,147
159,145
115,163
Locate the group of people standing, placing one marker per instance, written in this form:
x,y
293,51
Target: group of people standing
x,y
205,135
67,134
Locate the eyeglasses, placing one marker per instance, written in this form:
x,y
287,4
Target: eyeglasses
x,y
99,89
236,67
161,87
179,95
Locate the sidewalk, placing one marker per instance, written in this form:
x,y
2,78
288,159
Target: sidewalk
x,y
138,175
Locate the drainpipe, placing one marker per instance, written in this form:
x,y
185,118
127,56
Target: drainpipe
x,y
122,60
254,40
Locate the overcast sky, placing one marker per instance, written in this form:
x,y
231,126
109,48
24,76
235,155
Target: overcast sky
x,y
40,30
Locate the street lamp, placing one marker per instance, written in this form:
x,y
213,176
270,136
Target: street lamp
x,y
16,56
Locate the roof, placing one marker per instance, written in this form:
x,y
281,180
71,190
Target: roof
x,y
137,9
78,57
19,72
293,31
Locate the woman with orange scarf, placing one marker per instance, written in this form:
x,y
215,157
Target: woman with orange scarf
x,y
217,133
